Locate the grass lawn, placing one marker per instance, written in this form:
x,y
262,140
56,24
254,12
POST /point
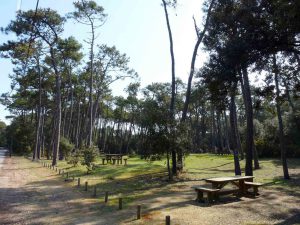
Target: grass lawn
x,y
141,178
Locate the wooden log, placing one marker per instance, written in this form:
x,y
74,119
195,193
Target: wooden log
x,y
106,197
138,212
168,220
120,203
86,186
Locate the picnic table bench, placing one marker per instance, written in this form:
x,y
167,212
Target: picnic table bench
x,y
211,193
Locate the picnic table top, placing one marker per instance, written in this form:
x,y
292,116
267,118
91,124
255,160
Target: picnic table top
x,y
227,179
114,154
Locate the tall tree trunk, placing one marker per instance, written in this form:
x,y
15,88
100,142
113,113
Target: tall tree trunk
x,y
280,123
226,133
173,87
58,109
213,129
90,134
37,148
219,134
234,134
249,117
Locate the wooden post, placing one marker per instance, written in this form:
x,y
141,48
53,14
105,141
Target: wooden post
x,y
78,184
63,172
106,197
86,186
95,191
168,220
73,178
59,171
120,203
55,169
138,212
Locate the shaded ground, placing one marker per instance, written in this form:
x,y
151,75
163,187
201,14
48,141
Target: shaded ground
x,y
32,194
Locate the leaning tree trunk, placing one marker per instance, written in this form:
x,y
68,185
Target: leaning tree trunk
x,y
280,123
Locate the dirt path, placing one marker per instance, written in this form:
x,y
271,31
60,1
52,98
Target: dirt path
x,y
32,194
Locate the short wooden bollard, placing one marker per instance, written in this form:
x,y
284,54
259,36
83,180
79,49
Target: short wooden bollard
x,y
78,182
138,212
55,169
73,178
86,186
63,172
95,191
168,220
120,203
67,174
106,197
59,171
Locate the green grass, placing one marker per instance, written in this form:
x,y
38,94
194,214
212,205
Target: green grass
x,y
143,178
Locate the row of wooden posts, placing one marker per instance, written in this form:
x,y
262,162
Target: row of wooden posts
x,y
62,172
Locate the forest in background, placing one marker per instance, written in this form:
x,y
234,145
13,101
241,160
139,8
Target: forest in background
x,y
62,103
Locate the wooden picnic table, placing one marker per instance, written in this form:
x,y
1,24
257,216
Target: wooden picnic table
x,y
118,157
238,181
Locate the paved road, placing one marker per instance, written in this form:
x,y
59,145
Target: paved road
x,y
3,153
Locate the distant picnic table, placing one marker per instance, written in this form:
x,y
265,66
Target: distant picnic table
x,y
114,158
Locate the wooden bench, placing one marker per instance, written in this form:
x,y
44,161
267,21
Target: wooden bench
x,y
211,193
254,186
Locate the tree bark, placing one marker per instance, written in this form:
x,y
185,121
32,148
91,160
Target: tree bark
x,y
249,117
58,109
234,133
173,87
280,123
37,149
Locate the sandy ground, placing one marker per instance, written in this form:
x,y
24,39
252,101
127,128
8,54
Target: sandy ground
x,y
32,194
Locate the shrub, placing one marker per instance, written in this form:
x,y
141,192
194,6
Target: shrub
x,y
65,147
89,156
75,158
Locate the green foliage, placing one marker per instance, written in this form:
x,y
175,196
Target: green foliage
x,y
2,134
75,158
20,135
65,147
89,156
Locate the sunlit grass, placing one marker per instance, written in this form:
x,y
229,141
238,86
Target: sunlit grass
x,y
141,178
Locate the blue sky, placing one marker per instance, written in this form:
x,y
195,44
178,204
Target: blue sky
x,y
135,27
